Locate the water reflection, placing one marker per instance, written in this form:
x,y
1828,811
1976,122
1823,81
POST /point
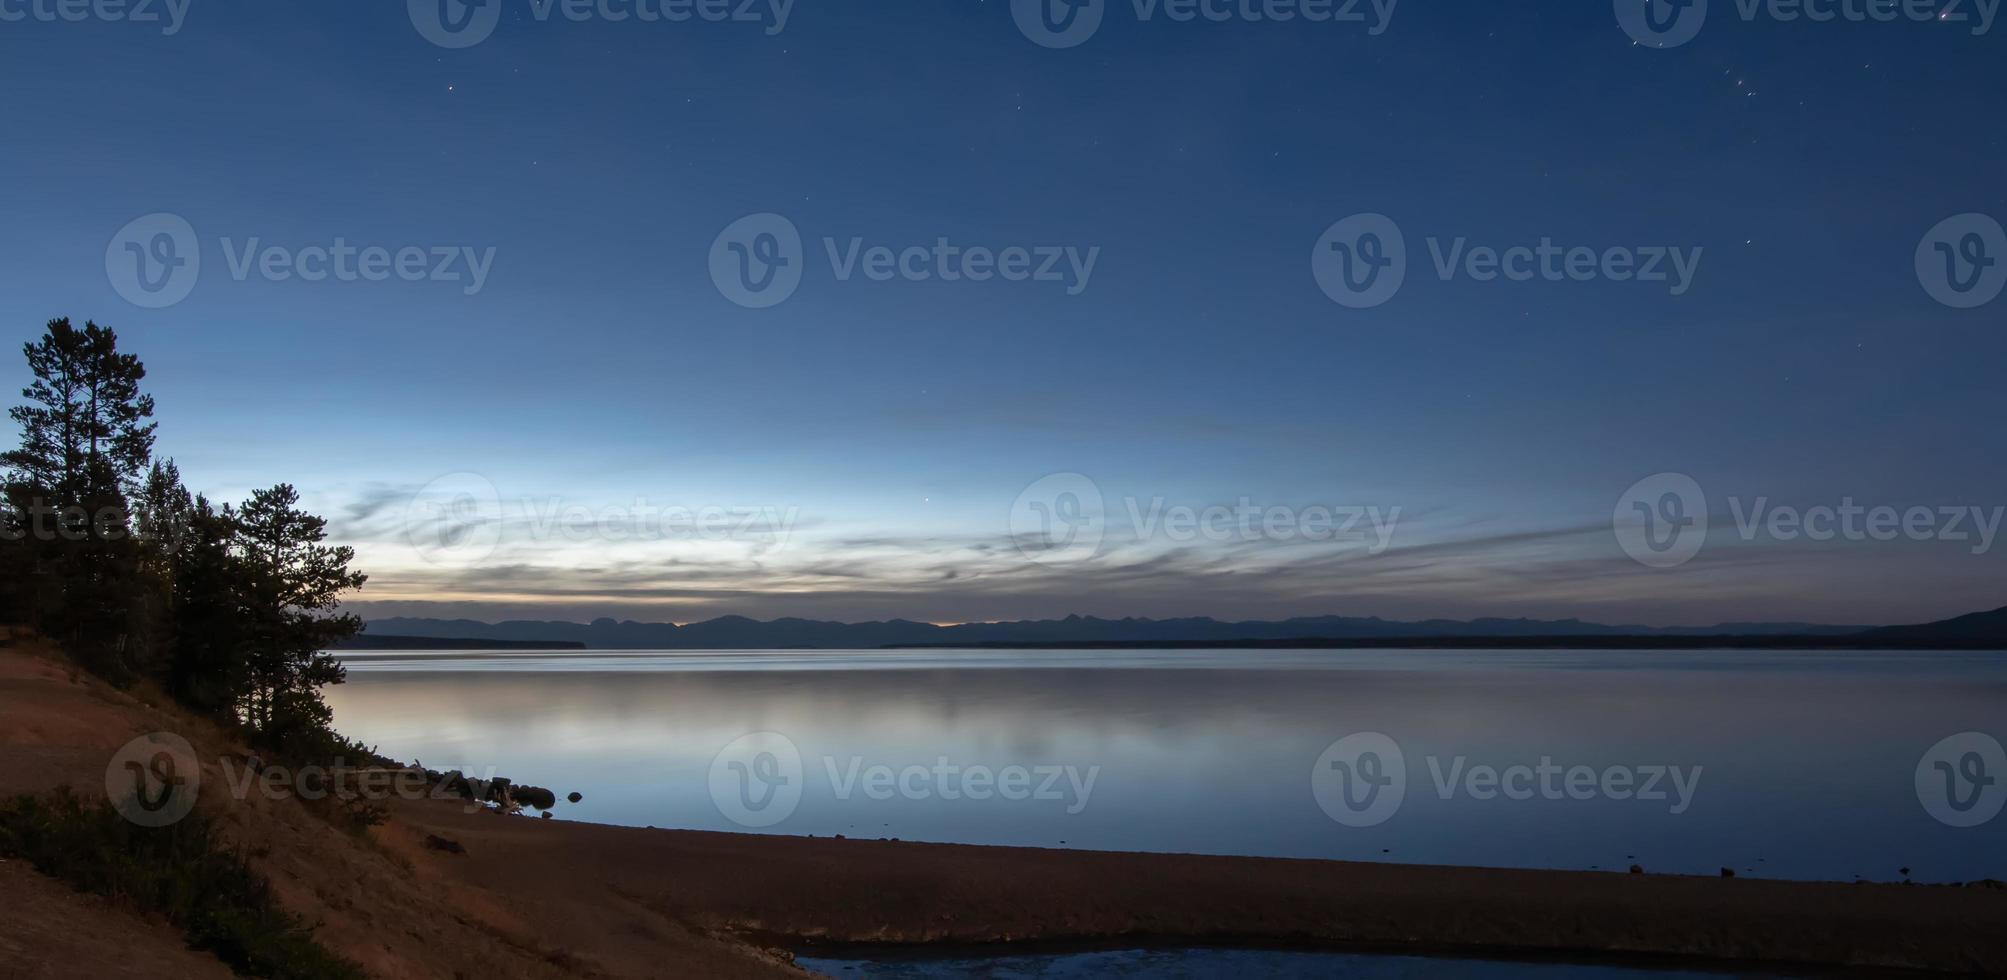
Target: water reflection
x,y
1177,964
1806,761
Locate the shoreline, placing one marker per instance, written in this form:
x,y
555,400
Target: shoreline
x,y
1767,642
930,952
826,895
1782,642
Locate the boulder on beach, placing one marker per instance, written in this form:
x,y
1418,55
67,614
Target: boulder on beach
x,y
535,796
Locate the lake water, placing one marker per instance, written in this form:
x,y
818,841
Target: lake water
x,y
1775,764
1206,964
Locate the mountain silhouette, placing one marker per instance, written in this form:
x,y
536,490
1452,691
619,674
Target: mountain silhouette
x,y
742,633
1979,626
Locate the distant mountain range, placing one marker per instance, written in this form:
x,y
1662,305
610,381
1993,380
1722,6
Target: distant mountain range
x,y
740,633
1982,626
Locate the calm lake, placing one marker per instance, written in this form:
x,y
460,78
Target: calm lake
x,y
1775,764
1207,964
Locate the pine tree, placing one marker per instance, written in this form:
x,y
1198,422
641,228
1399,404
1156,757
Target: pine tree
x,y
85,433
72,565
189,591
208,649
293,584
163,511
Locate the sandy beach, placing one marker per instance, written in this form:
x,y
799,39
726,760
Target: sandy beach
x,y
789,890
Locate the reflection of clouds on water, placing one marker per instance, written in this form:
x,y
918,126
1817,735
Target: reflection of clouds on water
x,y
1808,758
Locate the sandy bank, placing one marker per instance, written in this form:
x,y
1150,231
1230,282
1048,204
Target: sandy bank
x,y
883,891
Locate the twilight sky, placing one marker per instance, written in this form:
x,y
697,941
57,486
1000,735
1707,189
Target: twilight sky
x,y
523,439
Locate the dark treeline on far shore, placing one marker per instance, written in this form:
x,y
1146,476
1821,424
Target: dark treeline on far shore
x,y
371,641
104,552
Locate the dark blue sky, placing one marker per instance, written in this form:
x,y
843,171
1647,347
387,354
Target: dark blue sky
x,y
894,423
